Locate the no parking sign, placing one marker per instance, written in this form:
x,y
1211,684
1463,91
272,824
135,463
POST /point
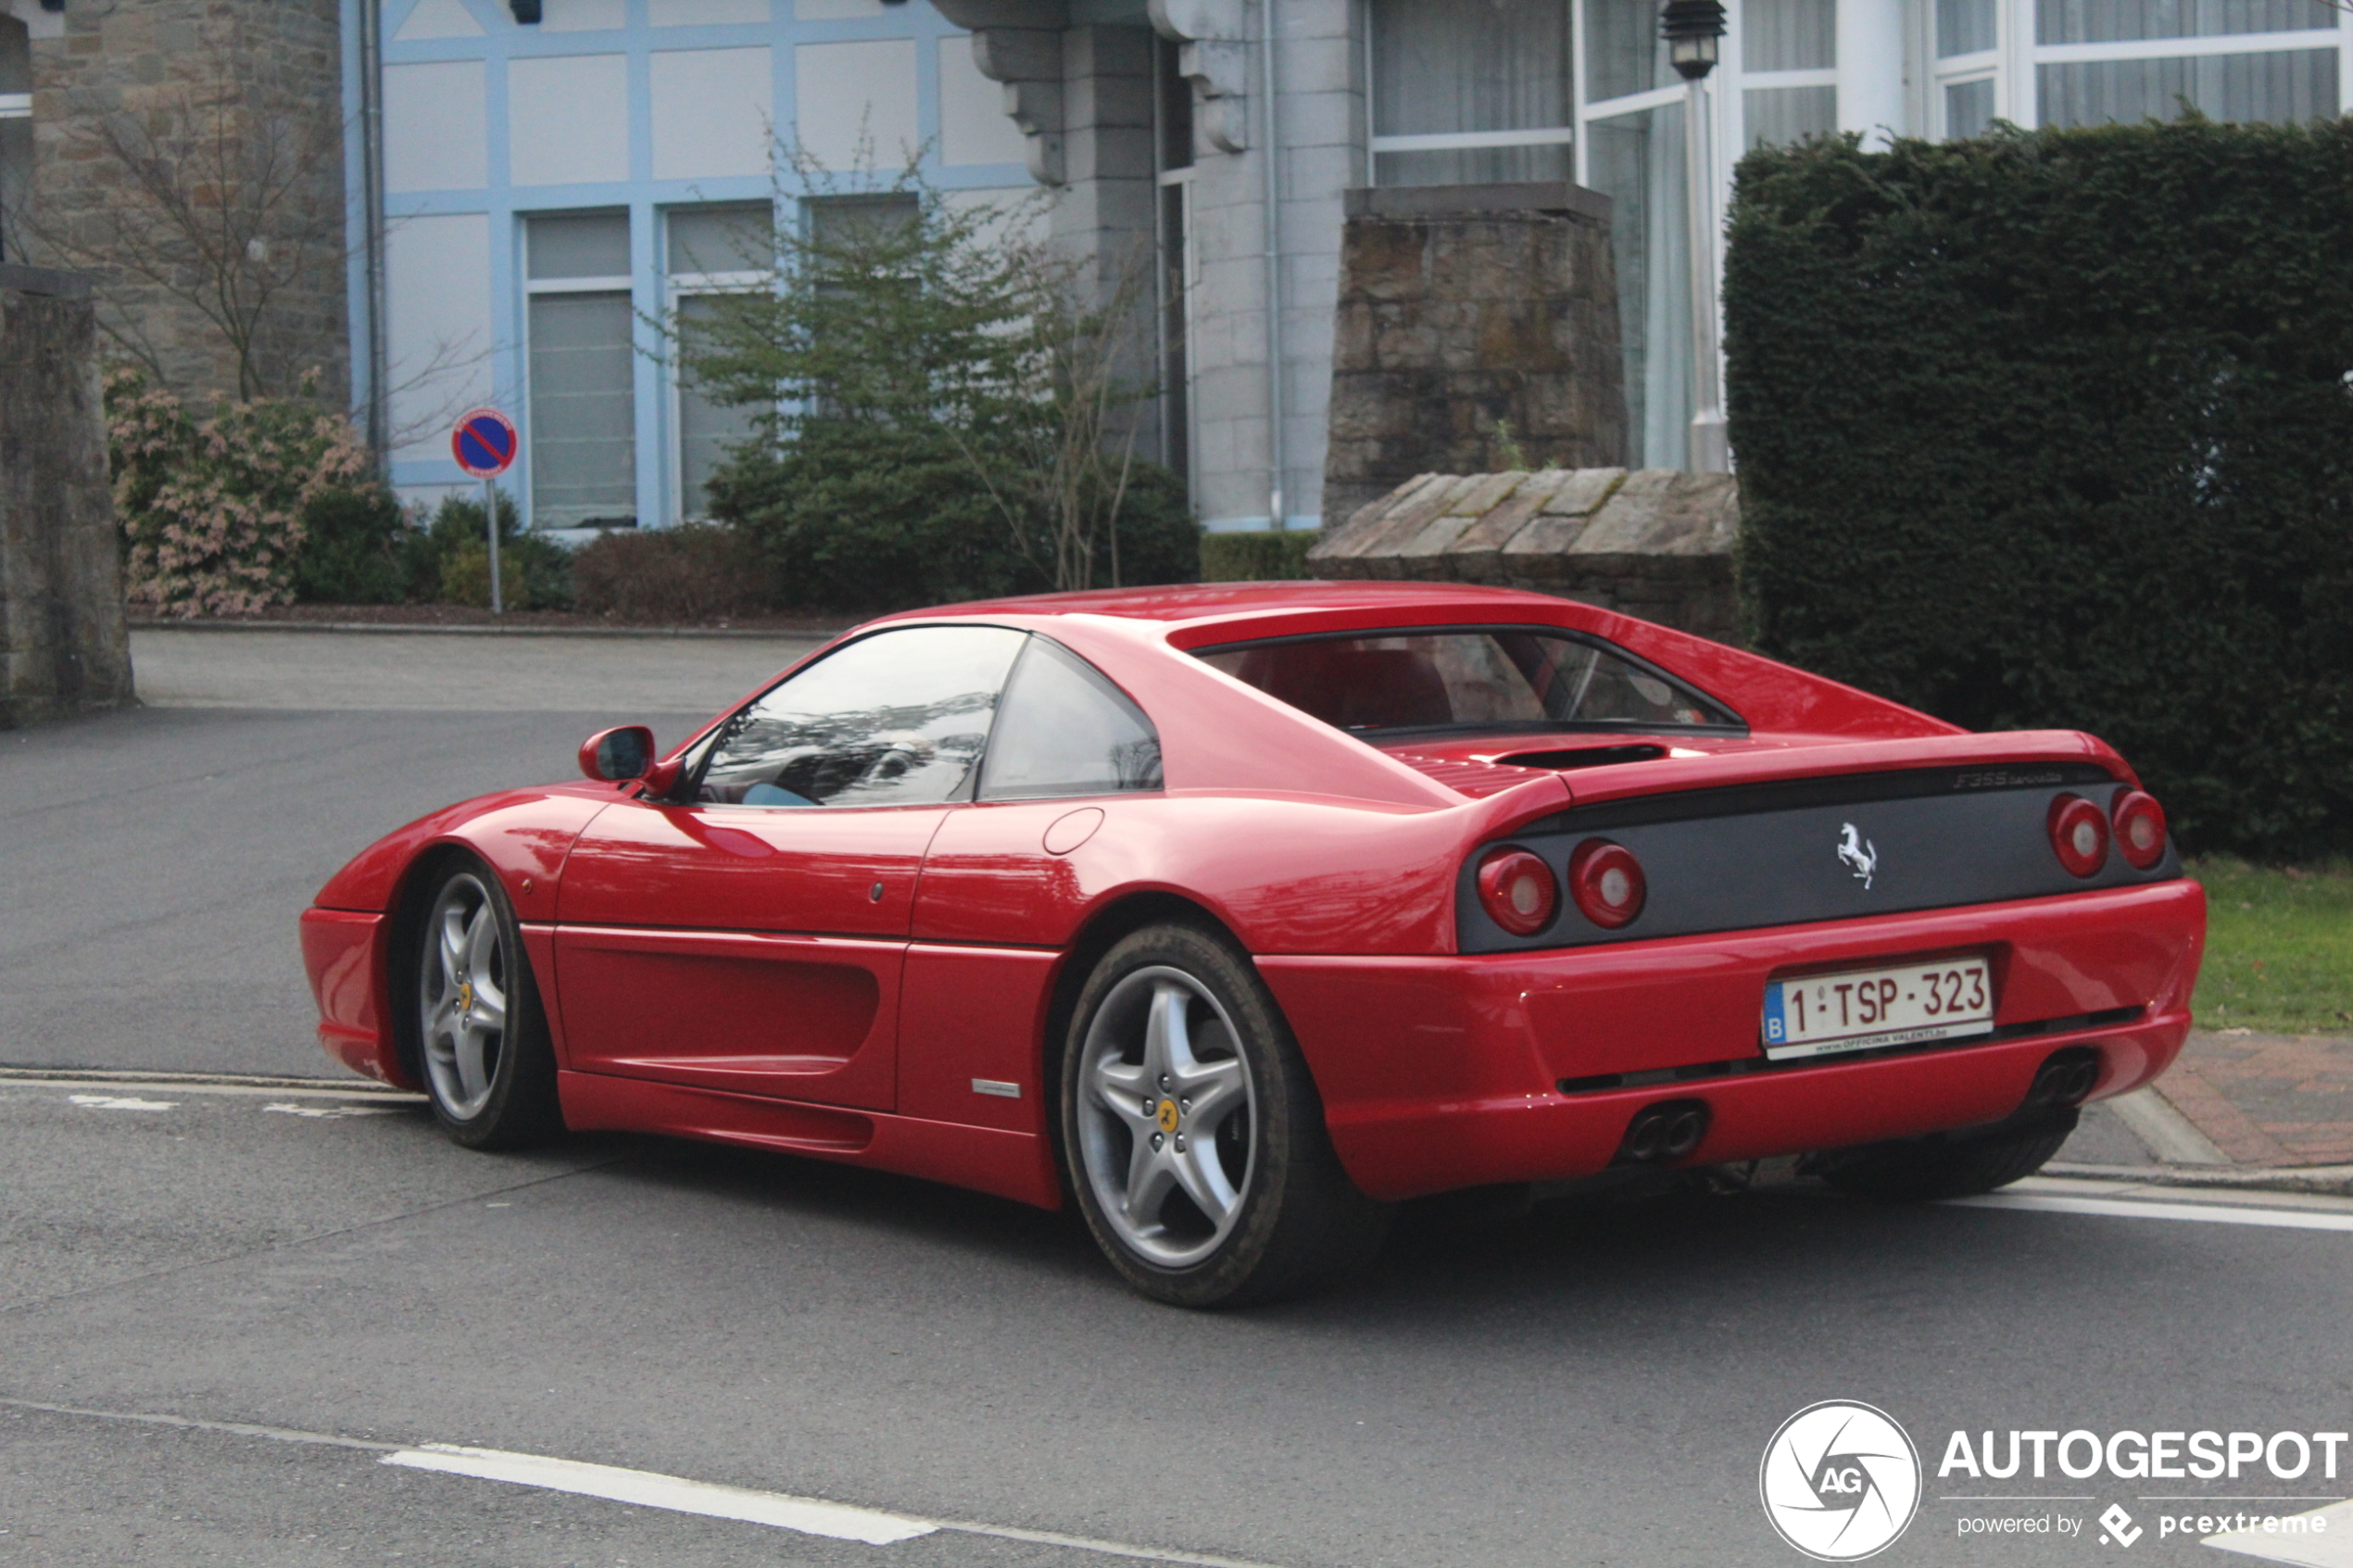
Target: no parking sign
x,y
484,445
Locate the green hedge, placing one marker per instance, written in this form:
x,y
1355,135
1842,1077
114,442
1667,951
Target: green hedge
x,y
2055,429
1256,558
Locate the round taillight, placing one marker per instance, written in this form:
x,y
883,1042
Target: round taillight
x,y
2079,834
1606,882
1518,891
2140,829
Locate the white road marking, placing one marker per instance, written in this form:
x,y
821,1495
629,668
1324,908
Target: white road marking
x,y
329,1112
2333,1549
808,1515
275,1088
121,1102
534,1470
2134,1208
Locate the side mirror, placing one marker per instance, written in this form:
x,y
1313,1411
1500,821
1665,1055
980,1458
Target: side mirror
x,y
618,756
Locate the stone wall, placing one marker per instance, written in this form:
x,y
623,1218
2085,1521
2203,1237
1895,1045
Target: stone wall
x,y
1464,311
163,80
1654,543
62,643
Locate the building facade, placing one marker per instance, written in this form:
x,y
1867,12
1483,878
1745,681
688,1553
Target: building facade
x,y
533,186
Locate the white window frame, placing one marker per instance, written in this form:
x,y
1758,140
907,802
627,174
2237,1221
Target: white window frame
x,y
677,288
1459,141
2019,57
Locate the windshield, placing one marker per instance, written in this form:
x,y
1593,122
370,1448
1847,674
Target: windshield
x,y
1479,678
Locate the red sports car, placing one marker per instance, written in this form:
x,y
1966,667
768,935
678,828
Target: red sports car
x,y
1241,912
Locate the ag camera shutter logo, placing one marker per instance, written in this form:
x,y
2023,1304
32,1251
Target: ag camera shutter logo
x,y
1840,1481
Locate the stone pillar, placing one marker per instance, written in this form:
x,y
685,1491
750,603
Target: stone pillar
x,y
62,643
1464,308
1870,84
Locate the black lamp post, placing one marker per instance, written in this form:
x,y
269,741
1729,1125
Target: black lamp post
x,y
1694,35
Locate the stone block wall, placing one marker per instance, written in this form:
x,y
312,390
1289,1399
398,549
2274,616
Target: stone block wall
x,y
166,75
1654,543
1466,311
62,642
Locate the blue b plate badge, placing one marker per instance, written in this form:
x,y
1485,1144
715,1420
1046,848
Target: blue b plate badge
x,y
1863,1009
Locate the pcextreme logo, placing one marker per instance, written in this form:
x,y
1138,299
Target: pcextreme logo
x,y
1840,1481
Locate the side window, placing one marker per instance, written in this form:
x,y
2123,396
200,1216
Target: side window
x,y
897,718
1066,730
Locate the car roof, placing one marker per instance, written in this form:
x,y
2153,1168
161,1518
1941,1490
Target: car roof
x,y
1194,603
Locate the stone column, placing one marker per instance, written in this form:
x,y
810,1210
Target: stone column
x,y
62,643
1465,310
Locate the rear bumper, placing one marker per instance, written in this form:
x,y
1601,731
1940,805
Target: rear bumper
x,y
1446,1073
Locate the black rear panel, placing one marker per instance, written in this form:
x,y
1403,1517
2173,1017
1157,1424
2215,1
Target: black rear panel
x,y
1768,855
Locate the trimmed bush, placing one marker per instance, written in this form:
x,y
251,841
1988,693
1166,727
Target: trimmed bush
x,y
854,516
1278,555
447,560
351,549
2057,430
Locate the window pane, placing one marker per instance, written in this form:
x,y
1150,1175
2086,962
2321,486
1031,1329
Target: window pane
x,y
1469,64
737,238
1475,165
855,221
1968,109
583,452
1964,27
2291,84
1777,116
2100,21
586,244
897,718
1066,730
707,431
1789,34
1636,161
1490,680
1623,51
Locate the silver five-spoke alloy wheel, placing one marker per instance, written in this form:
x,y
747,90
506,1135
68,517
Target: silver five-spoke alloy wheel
x,y
463,993
1165,1107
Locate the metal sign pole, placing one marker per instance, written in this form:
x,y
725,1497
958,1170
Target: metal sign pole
x,y
490,521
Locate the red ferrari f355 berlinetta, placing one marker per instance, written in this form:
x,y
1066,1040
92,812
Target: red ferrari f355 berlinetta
x,y
1237,913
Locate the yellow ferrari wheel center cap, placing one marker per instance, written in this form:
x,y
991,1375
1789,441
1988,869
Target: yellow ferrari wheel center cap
x,y
1168,1116
466,997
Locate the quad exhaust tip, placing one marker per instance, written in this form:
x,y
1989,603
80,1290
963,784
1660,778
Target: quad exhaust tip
x,y
1666,1131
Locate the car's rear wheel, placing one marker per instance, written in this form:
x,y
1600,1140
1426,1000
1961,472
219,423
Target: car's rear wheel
x,y
489,1068
1917,1172
1193,1133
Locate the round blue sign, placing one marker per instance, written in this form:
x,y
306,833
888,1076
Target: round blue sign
x,y
483,443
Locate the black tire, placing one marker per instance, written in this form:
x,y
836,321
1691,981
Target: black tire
x,y
1295,1221
1930,1170
499,1091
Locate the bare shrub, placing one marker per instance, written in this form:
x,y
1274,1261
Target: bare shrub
x,y
671,576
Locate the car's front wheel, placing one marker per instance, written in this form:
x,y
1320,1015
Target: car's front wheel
x,y
489,1067
1193,1133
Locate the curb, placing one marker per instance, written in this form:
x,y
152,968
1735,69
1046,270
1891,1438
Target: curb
x,y
2334,1181
350,1085
404,630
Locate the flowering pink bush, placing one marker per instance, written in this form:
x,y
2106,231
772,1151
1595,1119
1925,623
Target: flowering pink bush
x,y
211,510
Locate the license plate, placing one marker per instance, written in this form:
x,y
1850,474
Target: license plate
x,y
1862,1009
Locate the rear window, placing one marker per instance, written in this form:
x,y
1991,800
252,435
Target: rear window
x,y
1471,678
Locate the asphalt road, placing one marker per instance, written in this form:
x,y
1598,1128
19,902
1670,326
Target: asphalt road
x,y
1592,1384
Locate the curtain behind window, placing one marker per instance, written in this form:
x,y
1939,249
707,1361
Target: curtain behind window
x,y
1636,161
1443,67
2278,88
584,421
